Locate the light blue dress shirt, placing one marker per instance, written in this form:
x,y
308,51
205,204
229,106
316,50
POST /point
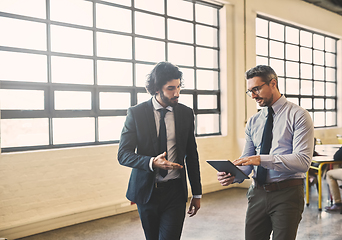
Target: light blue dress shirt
x,y
292,143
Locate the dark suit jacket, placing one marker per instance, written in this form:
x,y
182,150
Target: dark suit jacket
x,y
139,142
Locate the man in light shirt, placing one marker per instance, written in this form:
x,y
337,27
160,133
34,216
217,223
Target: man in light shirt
x,y
157,141
276,197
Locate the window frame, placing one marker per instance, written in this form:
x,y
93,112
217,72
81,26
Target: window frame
x,y
50,87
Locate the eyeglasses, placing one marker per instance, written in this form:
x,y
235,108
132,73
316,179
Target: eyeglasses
x,y
255,90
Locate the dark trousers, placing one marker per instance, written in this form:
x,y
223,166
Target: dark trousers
x,y
163,216
279,211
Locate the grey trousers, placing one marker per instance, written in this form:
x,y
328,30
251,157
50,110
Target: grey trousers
x,y
279,211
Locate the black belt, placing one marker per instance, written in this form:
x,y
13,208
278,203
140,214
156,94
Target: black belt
x,y
167,184
275,186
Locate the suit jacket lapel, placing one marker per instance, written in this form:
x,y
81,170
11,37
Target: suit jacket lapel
x,y
152,125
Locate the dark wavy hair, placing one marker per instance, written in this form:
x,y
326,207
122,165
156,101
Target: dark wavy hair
x,y
265,72
160,75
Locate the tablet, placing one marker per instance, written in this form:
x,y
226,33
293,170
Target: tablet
x,y
228,167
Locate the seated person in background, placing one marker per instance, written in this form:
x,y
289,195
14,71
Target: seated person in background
x,y
332,177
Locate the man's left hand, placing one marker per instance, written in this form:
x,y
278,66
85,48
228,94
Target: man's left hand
x,y
252,160
195,204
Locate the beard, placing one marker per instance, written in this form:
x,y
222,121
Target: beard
x,y
265,102
169,102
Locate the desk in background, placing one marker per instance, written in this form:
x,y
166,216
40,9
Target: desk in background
x,y
326,153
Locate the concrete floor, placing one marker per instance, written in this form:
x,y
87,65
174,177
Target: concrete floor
x,y
221,217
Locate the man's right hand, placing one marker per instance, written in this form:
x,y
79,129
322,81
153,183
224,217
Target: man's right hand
x,y
161,162
225,178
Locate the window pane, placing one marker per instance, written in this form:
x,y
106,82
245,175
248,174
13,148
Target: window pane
x,y
331,89
278,66
306,71
331,118
122,2
110,128
142,97
114,73
23,67
187,99
330,103
292,52
305,38
156,25
206,57
149,50
318,103
293,100
319,88
150,5
121,49
319,119
318,42
24,132
305,55
292,86
330,59
114,100
181,54
180,9
261,46
113,18
207,123
330,74
180,31
292,35
207,101
318,73
330,44
276,31
306,103
281,84
292,69
206,15
207,80
318,57
206,36
188,77
261,61
72,70
142,71
78,12
24,7
13,31
276,49
306,87
21,99
78,41
73,130
261,26
69,100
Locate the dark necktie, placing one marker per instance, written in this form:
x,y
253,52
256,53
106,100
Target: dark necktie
x,y
266,143
162,138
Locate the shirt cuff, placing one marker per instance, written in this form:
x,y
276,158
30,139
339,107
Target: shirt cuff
x,y
150,164
197,196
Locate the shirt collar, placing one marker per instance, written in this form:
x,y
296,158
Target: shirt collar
x,y
276,106
156,105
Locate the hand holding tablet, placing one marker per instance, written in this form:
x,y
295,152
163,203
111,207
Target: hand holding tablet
x,y
228,167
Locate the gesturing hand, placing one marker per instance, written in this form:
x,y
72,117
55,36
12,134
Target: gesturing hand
x,y
161,162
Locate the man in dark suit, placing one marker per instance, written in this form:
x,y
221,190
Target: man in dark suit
x,y
156,142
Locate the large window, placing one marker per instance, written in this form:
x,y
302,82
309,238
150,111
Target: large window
x,y
305,62
71,68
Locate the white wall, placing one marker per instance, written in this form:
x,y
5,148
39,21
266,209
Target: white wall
x,y
42,190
